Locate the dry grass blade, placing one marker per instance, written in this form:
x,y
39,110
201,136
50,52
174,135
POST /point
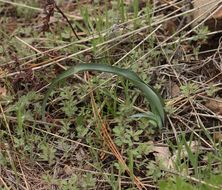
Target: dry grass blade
x,y
108,140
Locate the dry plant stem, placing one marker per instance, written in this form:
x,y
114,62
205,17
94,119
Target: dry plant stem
x,y
191,38
203,140
12,162
111,144
3,182
201,125
169,62
12,180
196,130
98,173
173,128
147,186
6,122
23,175
203,21
207,51
65,17
70,140
170,3
207,115
31,47
106,49
21,5
139,44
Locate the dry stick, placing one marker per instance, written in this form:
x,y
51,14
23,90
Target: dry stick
x,y
169,3
30,46
208,116
23,174
5,185
112,146
69,140
6,122
97,173
65,17
202,139
196,130
173,128
201,125
12,180
12,141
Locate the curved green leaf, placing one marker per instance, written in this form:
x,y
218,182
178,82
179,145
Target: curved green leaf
x,y
155,102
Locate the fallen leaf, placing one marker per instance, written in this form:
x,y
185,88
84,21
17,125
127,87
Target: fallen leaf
x,y
163,156
215,105
175,90
169,27
217,136
3,92
68,170
3,72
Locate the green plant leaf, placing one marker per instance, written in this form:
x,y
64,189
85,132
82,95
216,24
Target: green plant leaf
x,y
154,100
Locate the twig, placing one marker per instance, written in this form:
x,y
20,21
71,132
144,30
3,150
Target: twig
x,y
65,17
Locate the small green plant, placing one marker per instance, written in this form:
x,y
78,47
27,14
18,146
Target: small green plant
x,y
70,183
68,102
212,90
189,89
48,153
201,33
